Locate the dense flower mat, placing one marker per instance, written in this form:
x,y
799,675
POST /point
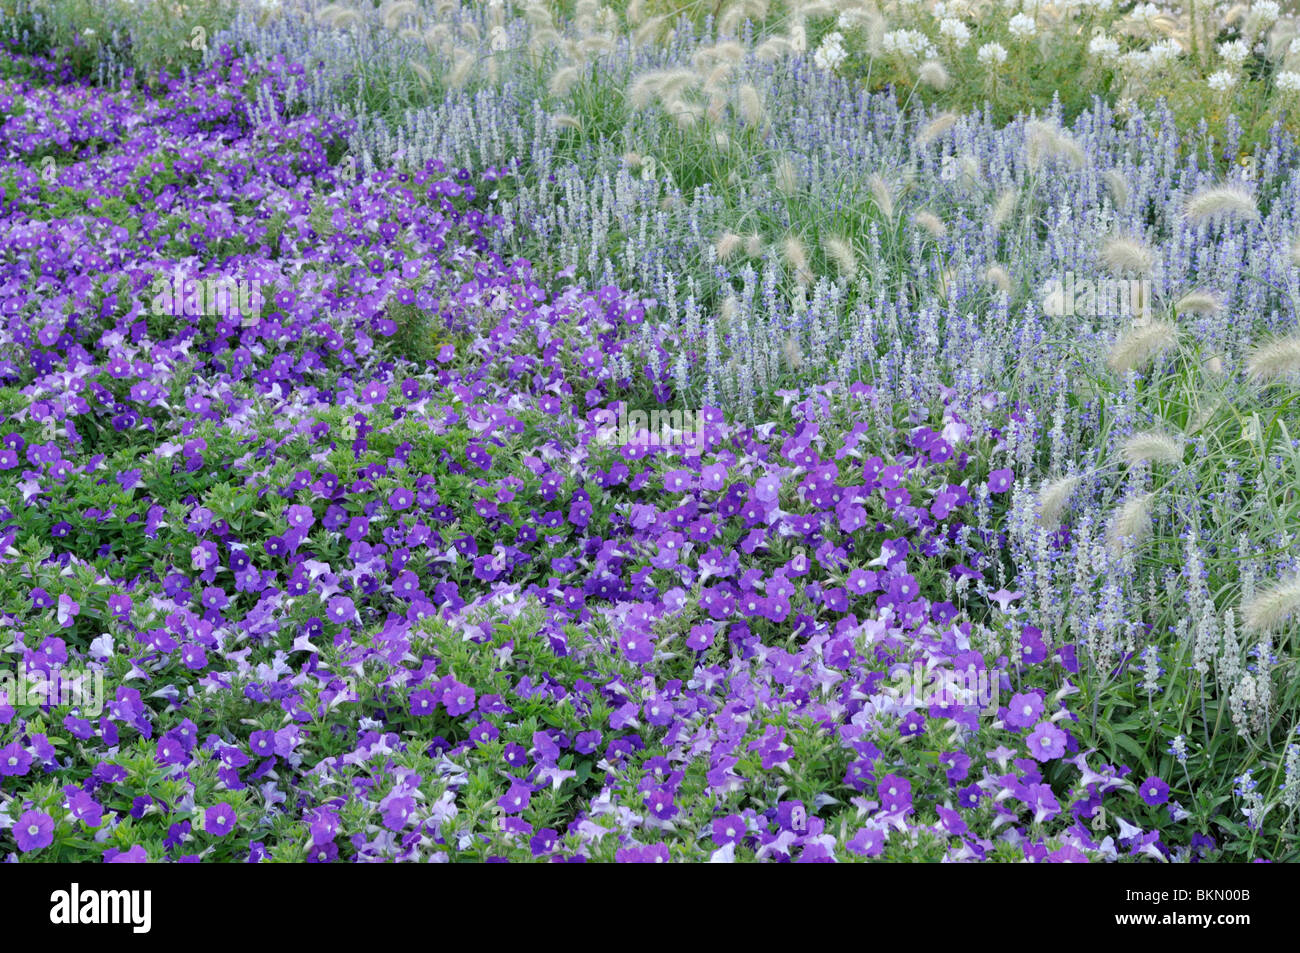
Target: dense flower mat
x,y
353,606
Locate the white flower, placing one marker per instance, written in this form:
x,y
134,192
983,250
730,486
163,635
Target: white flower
x,y
955,30
1021,25
1289,81
911,43
831,52
992,53
1267,11
1234,51
1145,11
498,39
1104,47
1164,51
1222,80
848,19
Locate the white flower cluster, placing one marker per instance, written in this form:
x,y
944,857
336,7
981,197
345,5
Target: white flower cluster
x,y
831,53
992,53
1145,11
955,30
848,19
1222,81
911,43
1104,47
1022,25
1288,81
1152,58
1267,11
1235,51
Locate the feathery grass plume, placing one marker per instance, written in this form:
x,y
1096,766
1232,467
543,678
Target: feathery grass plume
x,y
392,14
721,140
998,277
421,73
933,75
648,32
945,282
566,121
596,43
841,252
1131,521
730,308
664,85
633,160
754,245
1215,366
883,195
1004,207
1152,446
728,51
1198,302
1126,254
1212,201
435,38
1295,252
537,15
752,112
730,20
461,69
340,17
563,80
1272,607
1117,186
717,78
634,12
717,109
931,223
787,176
1141,344
1052,500
772,49
1275,359
471,33
796,256
685,114
936,127
793,354
1044,142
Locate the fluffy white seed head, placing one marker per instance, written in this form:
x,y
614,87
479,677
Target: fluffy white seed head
x,y
1275,360
933,74
1213,201
1131,521
1199,302
931,223
1004,207
1273,606
1053,498
936,127
1117,186
727,245
1121,253
1141,344
882,193
1152,446
998,277
840,252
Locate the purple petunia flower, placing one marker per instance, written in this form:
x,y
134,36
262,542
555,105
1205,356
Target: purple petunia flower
x,y
219,820
1154,791
34,830
1046,742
